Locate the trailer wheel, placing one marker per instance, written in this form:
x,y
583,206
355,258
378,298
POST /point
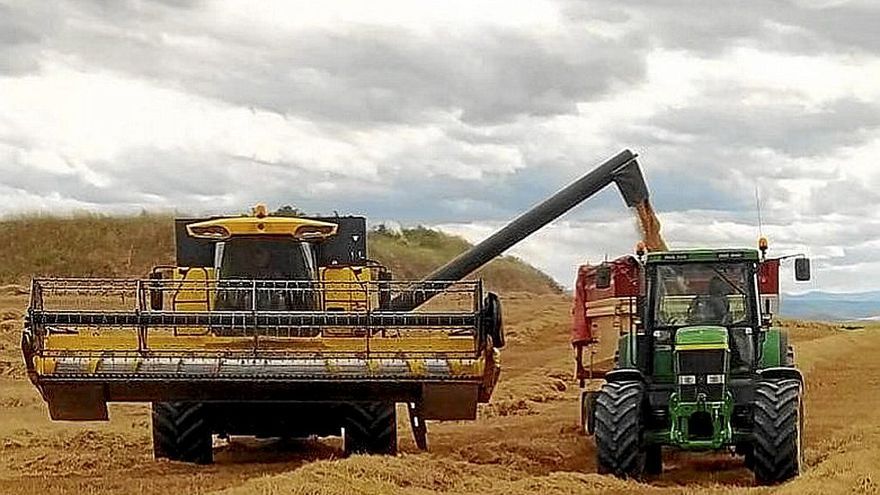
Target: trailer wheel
x,y
371,428
619,429
779,420
181,432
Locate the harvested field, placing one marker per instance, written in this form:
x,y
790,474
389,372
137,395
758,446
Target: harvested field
x,y
526,440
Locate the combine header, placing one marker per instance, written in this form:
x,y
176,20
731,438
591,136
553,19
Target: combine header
x,y
283,327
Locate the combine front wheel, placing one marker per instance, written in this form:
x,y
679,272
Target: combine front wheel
x,y
181,432
371,428
619,429
778,447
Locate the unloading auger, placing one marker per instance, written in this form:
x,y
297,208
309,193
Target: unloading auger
x,y
283,327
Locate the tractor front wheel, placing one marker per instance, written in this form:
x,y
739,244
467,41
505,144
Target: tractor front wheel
x,y
619,429
777,454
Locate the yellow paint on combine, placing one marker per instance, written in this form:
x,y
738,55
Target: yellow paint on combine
x,y
338,282
417,367
195,291
127,341
300,228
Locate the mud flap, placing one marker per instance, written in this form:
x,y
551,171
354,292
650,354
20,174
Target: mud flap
x,y
76,402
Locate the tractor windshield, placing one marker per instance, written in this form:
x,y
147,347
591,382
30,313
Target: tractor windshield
x,y
703,294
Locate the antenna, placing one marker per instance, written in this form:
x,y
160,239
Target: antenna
x,y
758,204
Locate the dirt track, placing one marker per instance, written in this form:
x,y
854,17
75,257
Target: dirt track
x,y
526,441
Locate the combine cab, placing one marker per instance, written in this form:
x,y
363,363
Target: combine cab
x,y
676,350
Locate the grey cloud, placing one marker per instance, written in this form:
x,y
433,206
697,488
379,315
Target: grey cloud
x,y
847,195
711,27
787,128
20,36
368,74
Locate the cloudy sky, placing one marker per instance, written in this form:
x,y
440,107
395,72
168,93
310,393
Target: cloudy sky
x,y
459,114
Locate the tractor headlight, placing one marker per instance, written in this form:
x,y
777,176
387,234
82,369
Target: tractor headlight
x,y
687,380
714,379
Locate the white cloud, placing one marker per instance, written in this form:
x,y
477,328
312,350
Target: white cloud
x,y
459,114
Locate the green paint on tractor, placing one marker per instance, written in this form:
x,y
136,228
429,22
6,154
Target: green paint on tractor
x,y
701,336
702,256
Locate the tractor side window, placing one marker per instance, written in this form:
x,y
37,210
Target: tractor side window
x,y
702,294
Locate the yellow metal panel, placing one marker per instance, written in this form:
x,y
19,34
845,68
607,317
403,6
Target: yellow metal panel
x,y
110,340
119,340
273,226
417,366
194,291
345,290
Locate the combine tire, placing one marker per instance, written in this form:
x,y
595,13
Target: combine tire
x,y
619,429
181,432
371,428
778,448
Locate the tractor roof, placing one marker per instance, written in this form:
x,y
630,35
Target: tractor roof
x,y
301,229
703,255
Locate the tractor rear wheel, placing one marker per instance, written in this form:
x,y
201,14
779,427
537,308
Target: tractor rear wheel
x,y
619,429
778,416
371,428
181,432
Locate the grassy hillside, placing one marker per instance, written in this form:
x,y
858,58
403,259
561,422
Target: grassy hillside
x,y
92,245
415,252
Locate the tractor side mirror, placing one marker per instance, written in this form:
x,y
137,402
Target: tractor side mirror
x,y
603,277
802,269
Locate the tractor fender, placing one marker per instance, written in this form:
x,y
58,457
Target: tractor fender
x,y
625,375
781,373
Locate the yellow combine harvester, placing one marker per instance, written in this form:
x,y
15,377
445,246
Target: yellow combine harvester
x,y
282,327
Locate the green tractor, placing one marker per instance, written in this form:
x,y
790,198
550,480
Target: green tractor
x,y
701,368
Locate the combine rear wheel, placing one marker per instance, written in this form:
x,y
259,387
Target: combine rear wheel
x,y
779,421
181,432
619,429
371,428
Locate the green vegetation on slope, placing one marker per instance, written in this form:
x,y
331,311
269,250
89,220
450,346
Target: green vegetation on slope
x,y
83,246
413,253
104,246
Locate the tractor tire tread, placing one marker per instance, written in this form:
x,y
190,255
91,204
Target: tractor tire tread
x,y
618,417
778,445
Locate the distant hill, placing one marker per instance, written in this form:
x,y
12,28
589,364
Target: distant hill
x,y
109,246
832,306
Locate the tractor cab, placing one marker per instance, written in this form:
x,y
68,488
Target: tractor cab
x,y
707,291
